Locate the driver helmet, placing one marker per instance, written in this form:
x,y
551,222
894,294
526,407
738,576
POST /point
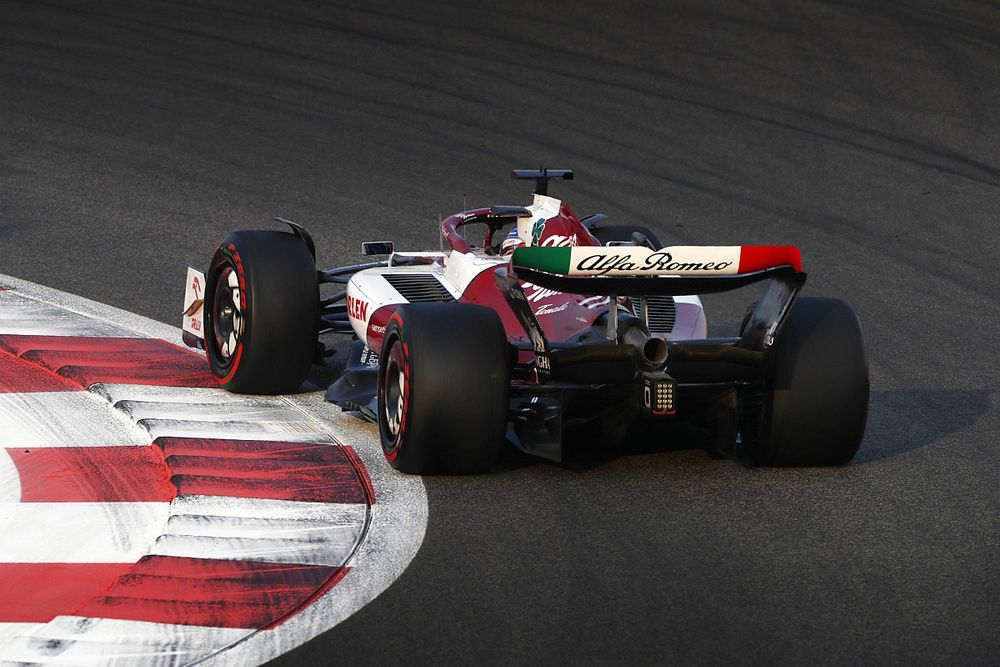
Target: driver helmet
x,y
512,241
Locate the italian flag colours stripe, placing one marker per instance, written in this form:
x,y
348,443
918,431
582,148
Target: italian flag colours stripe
x,y
670,261
760,257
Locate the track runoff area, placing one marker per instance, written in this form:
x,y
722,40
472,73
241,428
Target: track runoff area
x,y
149,517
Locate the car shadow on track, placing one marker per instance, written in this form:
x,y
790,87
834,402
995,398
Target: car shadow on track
x,y
585,450
901,421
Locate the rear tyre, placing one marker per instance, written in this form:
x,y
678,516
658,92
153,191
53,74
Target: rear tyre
x,y
444,375
261,312
623,233
815,408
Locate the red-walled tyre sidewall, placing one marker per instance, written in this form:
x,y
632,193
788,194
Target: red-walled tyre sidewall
x,y
455,365
277,276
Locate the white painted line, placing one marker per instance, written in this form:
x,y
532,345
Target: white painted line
x,y
279,531
344,529
25,316
112,630
79,532
252,508
211,412
33,651
116,321
292,431
330,547
62,419
196,396
101,641
8,631
113,393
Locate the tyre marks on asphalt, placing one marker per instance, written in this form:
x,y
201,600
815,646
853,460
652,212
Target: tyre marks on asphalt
x,y
87,360
252,509
262,469
271,531
101,641
61,419
21,376
212,413
33,590
212,592
91,475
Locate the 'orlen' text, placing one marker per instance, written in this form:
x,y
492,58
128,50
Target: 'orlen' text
x,y
357,308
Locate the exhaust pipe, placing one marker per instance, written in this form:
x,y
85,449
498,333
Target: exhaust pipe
x,y
651,352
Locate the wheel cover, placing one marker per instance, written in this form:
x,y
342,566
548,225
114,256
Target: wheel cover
x,y
395,390
227,315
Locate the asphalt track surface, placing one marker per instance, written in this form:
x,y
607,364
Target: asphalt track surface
x,y
134,135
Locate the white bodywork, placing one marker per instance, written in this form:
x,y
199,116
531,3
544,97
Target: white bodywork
x,y
368,290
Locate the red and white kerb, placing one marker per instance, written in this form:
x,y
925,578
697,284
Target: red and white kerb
x,y
146,516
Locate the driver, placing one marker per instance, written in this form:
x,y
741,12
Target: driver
x,y
512,241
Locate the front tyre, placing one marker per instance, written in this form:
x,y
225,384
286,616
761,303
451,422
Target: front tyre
x,y
815,408
444,375
261,312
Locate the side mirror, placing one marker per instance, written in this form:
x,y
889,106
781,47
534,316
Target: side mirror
x,y
369,248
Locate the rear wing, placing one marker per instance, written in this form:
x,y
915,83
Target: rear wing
x,y
635,271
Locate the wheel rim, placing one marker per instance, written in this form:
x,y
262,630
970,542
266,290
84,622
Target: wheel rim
x,y
227,315
394,403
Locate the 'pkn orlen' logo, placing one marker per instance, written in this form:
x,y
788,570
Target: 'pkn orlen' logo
x,y
357,308
654,262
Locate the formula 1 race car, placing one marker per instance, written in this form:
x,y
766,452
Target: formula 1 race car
x,y
559,323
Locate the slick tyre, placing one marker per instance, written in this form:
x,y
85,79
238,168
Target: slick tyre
x,y
261,312
443,379
623,234
816,407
